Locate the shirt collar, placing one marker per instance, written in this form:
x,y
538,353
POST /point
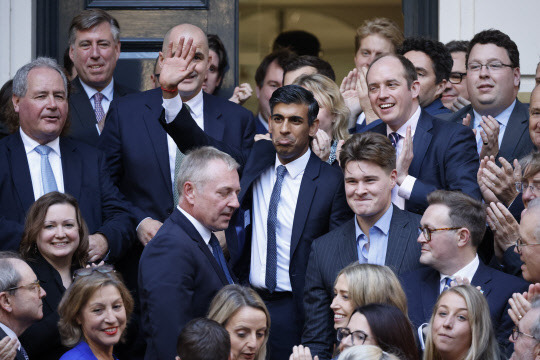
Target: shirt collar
x,y
263,122
201,229
383,224
412,122
196,105
9,332
295,167
30,144
467,271
107,92
502,118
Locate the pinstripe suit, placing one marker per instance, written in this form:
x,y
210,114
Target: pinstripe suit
x,y
337,249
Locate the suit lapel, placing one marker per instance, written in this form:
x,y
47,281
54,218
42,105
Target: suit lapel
x,y
72,167
79,99
348,251
157,135
263,155
213,124
398,240
421,142
429,291
518,124
305,197
20,170
482,277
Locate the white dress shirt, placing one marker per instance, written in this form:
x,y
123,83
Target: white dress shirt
x,y
502,119
403,192
34,163
466,272
262,191
107,92
10,333
201,229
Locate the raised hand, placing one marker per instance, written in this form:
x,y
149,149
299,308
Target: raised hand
x,y
350,95
241,94
363,96
177,65
321,145
405,158
505,228
459,103
490,136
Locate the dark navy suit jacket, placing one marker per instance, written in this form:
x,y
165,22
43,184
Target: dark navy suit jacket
x,y
82,116
422,289
334,251
85,177
445,157
178,277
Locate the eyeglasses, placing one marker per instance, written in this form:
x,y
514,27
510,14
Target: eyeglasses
x,y
427,231
32,286
104,269
358,337
492,66
520,245
456,77
516,333
523,186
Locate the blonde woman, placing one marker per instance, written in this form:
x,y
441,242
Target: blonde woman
x,y
241,311
333,116
366,352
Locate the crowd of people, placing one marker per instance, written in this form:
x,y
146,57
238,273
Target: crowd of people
x,y
392,216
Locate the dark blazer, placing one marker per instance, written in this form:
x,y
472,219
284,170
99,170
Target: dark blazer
x,y
437,108
422,289
445,157
321,207
334,251
85,177
82,115
516,142
19,355
178,277
42,339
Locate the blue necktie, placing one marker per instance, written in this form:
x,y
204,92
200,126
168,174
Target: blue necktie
x,y
447,281
47,175
220,258
271,247
23,353
394,138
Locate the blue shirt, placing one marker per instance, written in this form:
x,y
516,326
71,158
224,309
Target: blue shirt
x,y
502,119
378,240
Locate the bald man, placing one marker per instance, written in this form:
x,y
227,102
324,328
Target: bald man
x,y
141,156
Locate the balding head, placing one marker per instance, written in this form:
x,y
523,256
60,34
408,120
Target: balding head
x,y
188,31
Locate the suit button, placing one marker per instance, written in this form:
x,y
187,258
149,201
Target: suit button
x,y
169,211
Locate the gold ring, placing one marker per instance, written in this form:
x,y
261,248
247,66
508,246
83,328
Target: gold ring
x,y
520,317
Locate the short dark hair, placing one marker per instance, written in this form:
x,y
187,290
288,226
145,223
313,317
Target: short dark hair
x,y
298,41
89,18
464,211
203,339
409,72
322,67
282,57
437,52
457,46
294,94
498,38
369,146
215,44
391,329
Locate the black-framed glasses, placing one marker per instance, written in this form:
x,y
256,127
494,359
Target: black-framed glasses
x,y
524,185
516,333
520,245
427,231
358,337
32,286
492,66
103,269
456,77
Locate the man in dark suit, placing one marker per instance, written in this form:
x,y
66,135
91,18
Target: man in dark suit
x,y
183,266
431,153
452,228
94,48
36,160
493,78
380,233
20,299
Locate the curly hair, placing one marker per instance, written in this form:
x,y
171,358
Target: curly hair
x,y
437,52
496,37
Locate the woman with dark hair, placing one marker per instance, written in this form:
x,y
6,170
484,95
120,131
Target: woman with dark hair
x,y
382,325
54,243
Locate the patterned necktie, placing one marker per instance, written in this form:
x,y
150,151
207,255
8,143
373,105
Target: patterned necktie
x,y
23,353
271,247
220,258
394,139
47,175
447,281
98,109
177,161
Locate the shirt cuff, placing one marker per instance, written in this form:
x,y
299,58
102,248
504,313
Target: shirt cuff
x,y
421,336
137,228
172,108
405,189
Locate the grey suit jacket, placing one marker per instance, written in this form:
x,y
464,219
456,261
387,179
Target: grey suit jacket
x,y
334,251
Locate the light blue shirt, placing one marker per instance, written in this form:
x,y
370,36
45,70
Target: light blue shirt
x,y
502,119
378,240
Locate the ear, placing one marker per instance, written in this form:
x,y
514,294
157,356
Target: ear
x,y
190,192
15,100
117,48
415,88
257,91
160,61
5,302
464,237
71,53
440,87
269,127
314,128
517,76
393,177
208,64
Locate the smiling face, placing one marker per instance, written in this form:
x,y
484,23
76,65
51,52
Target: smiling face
x,y
43,109
59,237
103,318
358,322
491,91
452,91
389,93
247,329
370,47
291,131
430,90
451,330
212,79
342,305
94,55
